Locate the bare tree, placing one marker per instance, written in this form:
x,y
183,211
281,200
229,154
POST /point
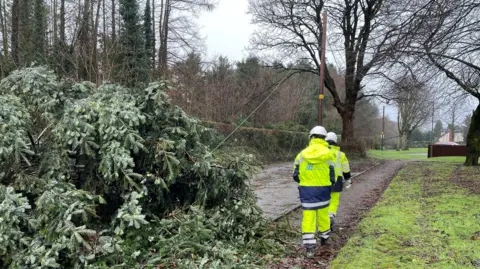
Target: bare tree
x,y
413,99
176,30
447,38
370,31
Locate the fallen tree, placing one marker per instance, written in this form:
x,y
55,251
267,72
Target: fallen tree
x,y
111,177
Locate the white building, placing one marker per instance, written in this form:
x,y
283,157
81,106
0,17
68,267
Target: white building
x,y
450,137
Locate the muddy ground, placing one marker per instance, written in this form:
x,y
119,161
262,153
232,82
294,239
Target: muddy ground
x,y
366,190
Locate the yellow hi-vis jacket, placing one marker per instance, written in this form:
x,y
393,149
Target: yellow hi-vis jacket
x,y
342,168
314,171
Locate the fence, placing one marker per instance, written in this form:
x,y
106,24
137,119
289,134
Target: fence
x,y
446,150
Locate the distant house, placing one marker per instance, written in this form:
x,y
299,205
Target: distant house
x,y
451,137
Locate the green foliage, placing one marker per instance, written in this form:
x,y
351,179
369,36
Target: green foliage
x,y
14,120
6,65
149,35
132,58
39,31
106,178
473,139
427,218
416,154
13,215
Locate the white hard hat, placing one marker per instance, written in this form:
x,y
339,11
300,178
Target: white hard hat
x,y
331,136
318,130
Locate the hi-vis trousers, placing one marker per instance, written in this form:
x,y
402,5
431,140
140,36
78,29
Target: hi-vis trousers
x,y
311,220
334,201
315,202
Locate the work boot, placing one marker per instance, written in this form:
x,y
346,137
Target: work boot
x,y
310,252
324,237
332,220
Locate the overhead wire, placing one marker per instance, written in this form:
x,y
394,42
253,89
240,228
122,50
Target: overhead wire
x,y
335,58
255,110
295,135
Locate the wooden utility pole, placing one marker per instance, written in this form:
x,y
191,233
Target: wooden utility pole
x,y
322,67
433,114
383,127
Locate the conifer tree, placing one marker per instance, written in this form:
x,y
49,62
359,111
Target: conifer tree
x,y
132,58
149,35
40,28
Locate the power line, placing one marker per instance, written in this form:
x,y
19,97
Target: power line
x,y
335,58
253,112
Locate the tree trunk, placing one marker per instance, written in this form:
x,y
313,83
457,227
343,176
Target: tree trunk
x,y
95,44
153,30
15,29
113,20
399,142
164,28
84,43
62,22
25,30
55,25
347,120
104,41
473,139
3,27
405,139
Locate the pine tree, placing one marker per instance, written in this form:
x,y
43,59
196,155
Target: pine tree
x,y
149,35
132,58
437,132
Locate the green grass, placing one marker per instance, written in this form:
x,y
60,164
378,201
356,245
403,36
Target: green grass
x,y
412,154
427,218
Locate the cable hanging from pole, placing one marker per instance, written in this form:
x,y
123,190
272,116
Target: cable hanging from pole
x,y
255,110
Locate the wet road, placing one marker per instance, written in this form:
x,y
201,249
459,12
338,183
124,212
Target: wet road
x,y
276,191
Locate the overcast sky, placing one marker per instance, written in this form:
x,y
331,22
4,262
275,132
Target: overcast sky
x,y
227,30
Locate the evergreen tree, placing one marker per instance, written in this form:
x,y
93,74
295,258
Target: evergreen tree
x,y
132,58
40,29
417,135
25,49
437,131
149,35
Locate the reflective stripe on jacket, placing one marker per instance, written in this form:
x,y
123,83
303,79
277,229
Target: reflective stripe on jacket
x,y
338,186
345,166
338,160
342,169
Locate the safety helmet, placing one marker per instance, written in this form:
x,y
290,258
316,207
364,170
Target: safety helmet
x,y
318,130
331,136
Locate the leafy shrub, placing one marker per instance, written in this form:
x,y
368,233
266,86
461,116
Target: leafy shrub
x,y
111,177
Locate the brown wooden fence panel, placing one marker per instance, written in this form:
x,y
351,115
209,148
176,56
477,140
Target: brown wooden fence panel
x,y
446,150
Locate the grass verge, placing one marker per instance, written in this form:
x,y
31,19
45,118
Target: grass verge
x,y
428,218
417,154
